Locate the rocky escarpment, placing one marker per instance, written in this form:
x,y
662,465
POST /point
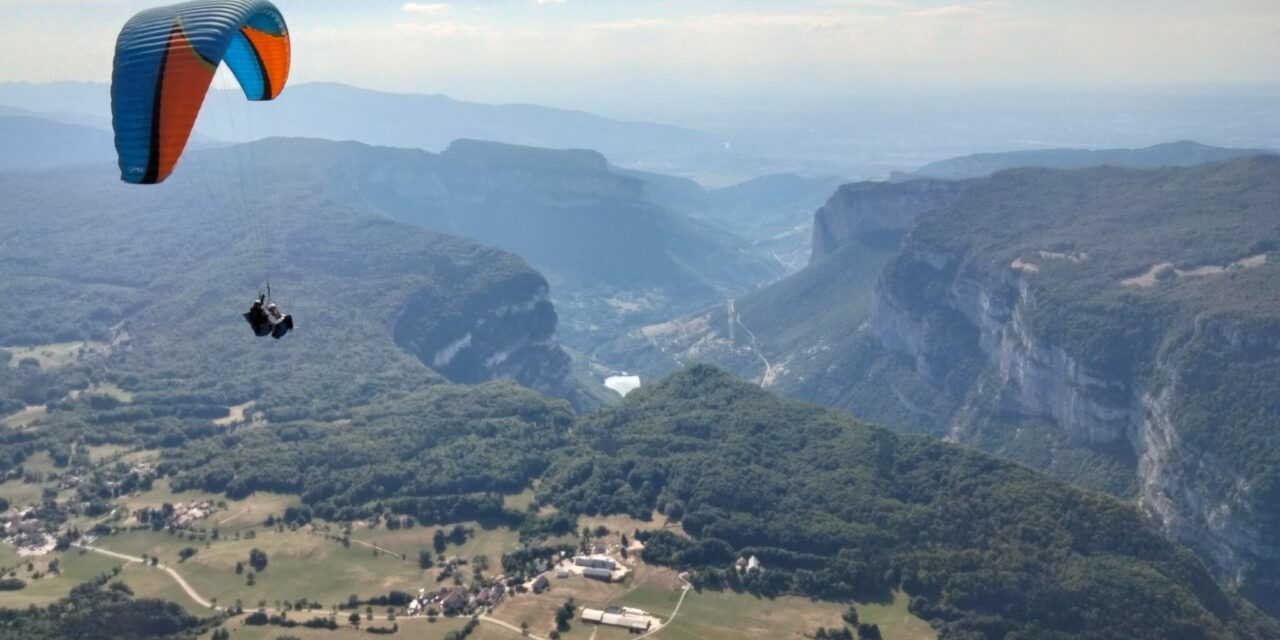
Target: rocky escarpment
x,y
871,209
619,258
506,330
1006,314
779,333
1228,513
953,311
987,306
782,334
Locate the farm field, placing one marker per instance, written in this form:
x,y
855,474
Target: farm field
x,y
491,542
539,610
304,564
113,390
21,494
75,568
8,557
98,454
519,501
299,565
149,582
26,417
39,462
716,616
52,356
235,415
417,629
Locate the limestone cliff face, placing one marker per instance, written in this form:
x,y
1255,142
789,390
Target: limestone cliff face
x,y
864,208
1199,497
1037,379
506,330
929,298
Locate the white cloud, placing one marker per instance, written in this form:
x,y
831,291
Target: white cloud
x,y
950,11
426,9
542,2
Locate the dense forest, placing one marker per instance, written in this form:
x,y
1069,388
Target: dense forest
x,y
441,455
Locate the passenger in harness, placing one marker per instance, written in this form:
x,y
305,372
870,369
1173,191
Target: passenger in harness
x,y
266,319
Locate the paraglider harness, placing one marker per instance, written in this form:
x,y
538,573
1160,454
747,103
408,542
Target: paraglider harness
x,y
266,319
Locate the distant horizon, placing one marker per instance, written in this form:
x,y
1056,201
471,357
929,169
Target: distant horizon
x,y
870,137
834,102
666,57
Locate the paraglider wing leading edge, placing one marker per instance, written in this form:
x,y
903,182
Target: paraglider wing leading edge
x,y
165,61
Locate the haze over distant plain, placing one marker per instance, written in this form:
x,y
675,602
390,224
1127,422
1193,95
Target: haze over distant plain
x,y
660,58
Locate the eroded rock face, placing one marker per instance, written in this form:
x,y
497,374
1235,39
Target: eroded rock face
x,y
884,208
929,299
1201,499
506,330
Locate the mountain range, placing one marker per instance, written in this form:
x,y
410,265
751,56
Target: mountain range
x,y
620,250
1183,153
1096,323
164,273
614,257
431,122
359,412
1114,327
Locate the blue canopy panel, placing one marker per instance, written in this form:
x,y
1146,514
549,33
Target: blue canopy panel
x,y
165,61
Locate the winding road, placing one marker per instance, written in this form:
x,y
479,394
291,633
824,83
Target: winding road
x,y
683,592
767,378
182,582
195,595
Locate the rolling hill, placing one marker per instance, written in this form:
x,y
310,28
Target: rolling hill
x,y
834,508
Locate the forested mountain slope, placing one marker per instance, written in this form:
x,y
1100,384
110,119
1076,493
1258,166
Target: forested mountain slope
x,y
1114,327
615,258
835,508
35,143
156,279
1133,311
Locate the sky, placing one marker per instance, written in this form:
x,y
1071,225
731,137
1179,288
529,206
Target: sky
x,y
629,56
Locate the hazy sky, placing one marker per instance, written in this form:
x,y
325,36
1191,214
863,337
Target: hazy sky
x,y
625,55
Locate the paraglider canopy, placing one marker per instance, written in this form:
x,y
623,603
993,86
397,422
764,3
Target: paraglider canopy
x,y
165,61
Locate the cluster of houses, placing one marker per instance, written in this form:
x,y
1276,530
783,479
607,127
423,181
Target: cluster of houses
x,y
187,514
109,476
458,600
26,530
